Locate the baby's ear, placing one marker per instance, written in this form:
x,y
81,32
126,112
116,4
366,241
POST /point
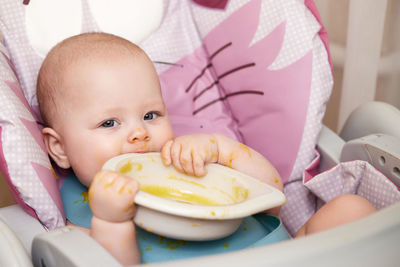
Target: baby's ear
x,y
55,148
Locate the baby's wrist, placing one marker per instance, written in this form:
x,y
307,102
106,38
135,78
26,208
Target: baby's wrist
x,y
102,222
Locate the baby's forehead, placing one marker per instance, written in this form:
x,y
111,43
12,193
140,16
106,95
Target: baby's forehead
x,y
75,50
77,53
91,52
91,45
88,50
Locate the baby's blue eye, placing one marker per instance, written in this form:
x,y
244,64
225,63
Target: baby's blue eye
x,y
109,123
150,116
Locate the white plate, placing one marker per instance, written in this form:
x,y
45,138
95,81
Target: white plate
x,y
205,208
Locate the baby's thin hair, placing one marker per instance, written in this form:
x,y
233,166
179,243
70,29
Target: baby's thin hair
x,y
68,52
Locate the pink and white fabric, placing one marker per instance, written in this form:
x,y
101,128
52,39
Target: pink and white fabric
x,y
257,71
23,157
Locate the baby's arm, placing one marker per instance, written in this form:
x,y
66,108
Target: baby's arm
x,y
111,199
190,153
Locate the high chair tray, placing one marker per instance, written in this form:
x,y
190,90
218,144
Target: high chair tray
x,y
254,231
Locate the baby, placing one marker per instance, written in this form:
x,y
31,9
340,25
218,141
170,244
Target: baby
x,y
99,96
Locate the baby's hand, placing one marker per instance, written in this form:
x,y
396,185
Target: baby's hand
x,y
189,153
111,196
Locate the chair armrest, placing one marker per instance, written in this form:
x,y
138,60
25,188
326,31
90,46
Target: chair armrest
x,y
69,247
24,226
371,133
12,252
380,150
330,146
21,234
370,241
372,118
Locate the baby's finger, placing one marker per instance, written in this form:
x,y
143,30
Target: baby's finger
x,y
187,161
198,165
176,156
130,190
132,187
166,153
118,185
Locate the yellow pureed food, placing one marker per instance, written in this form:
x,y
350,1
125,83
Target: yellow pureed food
x,y
179,187
178,195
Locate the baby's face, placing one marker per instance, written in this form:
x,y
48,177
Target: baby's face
x,y
110,108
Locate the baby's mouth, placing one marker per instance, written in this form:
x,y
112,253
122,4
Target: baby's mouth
x,y
142,150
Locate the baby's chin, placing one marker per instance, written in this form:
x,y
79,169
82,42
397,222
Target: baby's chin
x,y
87,177
86,182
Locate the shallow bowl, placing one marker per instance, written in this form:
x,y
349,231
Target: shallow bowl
x,y
176,205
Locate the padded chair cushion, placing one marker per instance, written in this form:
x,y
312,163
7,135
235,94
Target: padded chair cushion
x,y
256,71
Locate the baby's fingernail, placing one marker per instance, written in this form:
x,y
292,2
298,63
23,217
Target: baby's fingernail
x,y
204,172
165,161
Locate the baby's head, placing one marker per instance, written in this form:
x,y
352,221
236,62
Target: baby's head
x,y
89,49
99,96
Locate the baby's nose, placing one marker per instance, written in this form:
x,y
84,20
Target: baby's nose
x,y
139,134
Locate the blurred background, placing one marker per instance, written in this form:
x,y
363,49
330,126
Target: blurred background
x,y
364,40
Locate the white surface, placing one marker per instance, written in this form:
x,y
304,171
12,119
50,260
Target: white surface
x,y
372,118
369,242
50,21
179,227
22,224
12,252
134,20
192,221
372,241
69,247
330,146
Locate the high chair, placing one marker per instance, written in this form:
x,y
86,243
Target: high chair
x,y
257,71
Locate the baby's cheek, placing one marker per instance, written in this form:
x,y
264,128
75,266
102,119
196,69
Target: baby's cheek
x,y
87,169
98,157
107,150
